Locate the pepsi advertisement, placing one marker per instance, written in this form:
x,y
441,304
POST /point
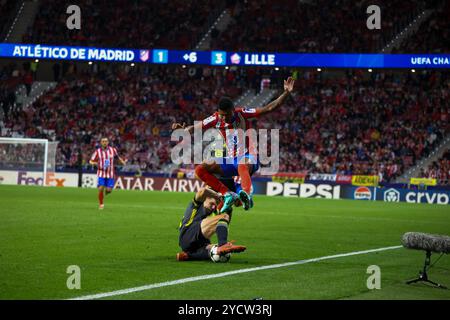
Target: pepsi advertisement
x,y
435,196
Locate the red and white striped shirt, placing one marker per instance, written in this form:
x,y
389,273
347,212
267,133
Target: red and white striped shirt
x,y
240,120
105,158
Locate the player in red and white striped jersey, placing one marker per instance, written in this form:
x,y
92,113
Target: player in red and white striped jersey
x,y
241,158
103,157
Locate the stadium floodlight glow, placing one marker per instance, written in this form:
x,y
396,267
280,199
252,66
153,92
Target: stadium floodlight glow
x,y
370,70
276,69
132,64
318,69
183,66
90,62
226,68
37,60
413,70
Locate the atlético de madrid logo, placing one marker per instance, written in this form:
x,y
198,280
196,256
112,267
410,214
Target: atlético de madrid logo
x,y
144,55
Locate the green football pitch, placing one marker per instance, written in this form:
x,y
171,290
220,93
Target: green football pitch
x,y
133,242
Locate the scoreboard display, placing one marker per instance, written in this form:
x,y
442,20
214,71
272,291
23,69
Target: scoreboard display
x,y
224,58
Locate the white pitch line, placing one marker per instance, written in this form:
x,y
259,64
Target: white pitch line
x,y
225,274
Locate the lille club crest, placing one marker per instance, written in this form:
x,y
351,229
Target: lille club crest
x,y
144,55
235,58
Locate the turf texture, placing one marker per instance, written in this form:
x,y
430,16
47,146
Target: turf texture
x,y
133,242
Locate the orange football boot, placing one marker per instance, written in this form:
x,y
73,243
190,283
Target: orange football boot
x,y
229,247
182,256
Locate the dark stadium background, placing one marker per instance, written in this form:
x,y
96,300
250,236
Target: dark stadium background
x,y
388,119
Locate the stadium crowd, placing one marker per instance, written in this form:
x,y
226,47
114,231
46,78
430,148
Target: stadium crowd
x,y
133,109
378,125
10,77
285,25
21,156
439,169
174,24
345,122
433,35
349,123
315,26
7,9
312,26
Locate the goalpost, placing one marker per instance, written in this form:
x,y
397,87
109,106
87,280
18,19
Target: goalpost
x,y
23,154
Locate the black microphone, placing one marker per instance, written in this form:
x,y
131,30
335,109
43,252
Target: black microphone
x,y
429,243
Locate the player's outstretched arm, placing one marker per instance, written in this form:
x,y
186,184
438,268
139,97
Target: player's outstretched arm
x,y
177,125
288,87
204,193
190,129
94,163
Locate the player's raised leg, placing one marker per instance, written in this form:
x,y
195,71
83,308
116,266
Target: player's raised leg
x,y
205,172
233,186
243,166
247,165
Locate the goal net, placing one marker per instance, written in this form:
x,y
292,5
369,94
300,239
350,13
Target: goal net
x,y
31,155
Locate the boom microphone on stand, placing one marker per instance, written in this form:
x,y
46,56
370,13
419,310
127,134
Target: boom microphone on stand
x,y
429,243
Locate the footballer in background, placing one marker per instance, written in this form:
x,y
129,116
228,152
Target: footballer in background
x,y
103,158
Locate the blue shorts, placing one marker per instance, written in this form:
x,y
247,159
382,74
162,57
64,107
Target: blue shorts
x,y
105,182
230,165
